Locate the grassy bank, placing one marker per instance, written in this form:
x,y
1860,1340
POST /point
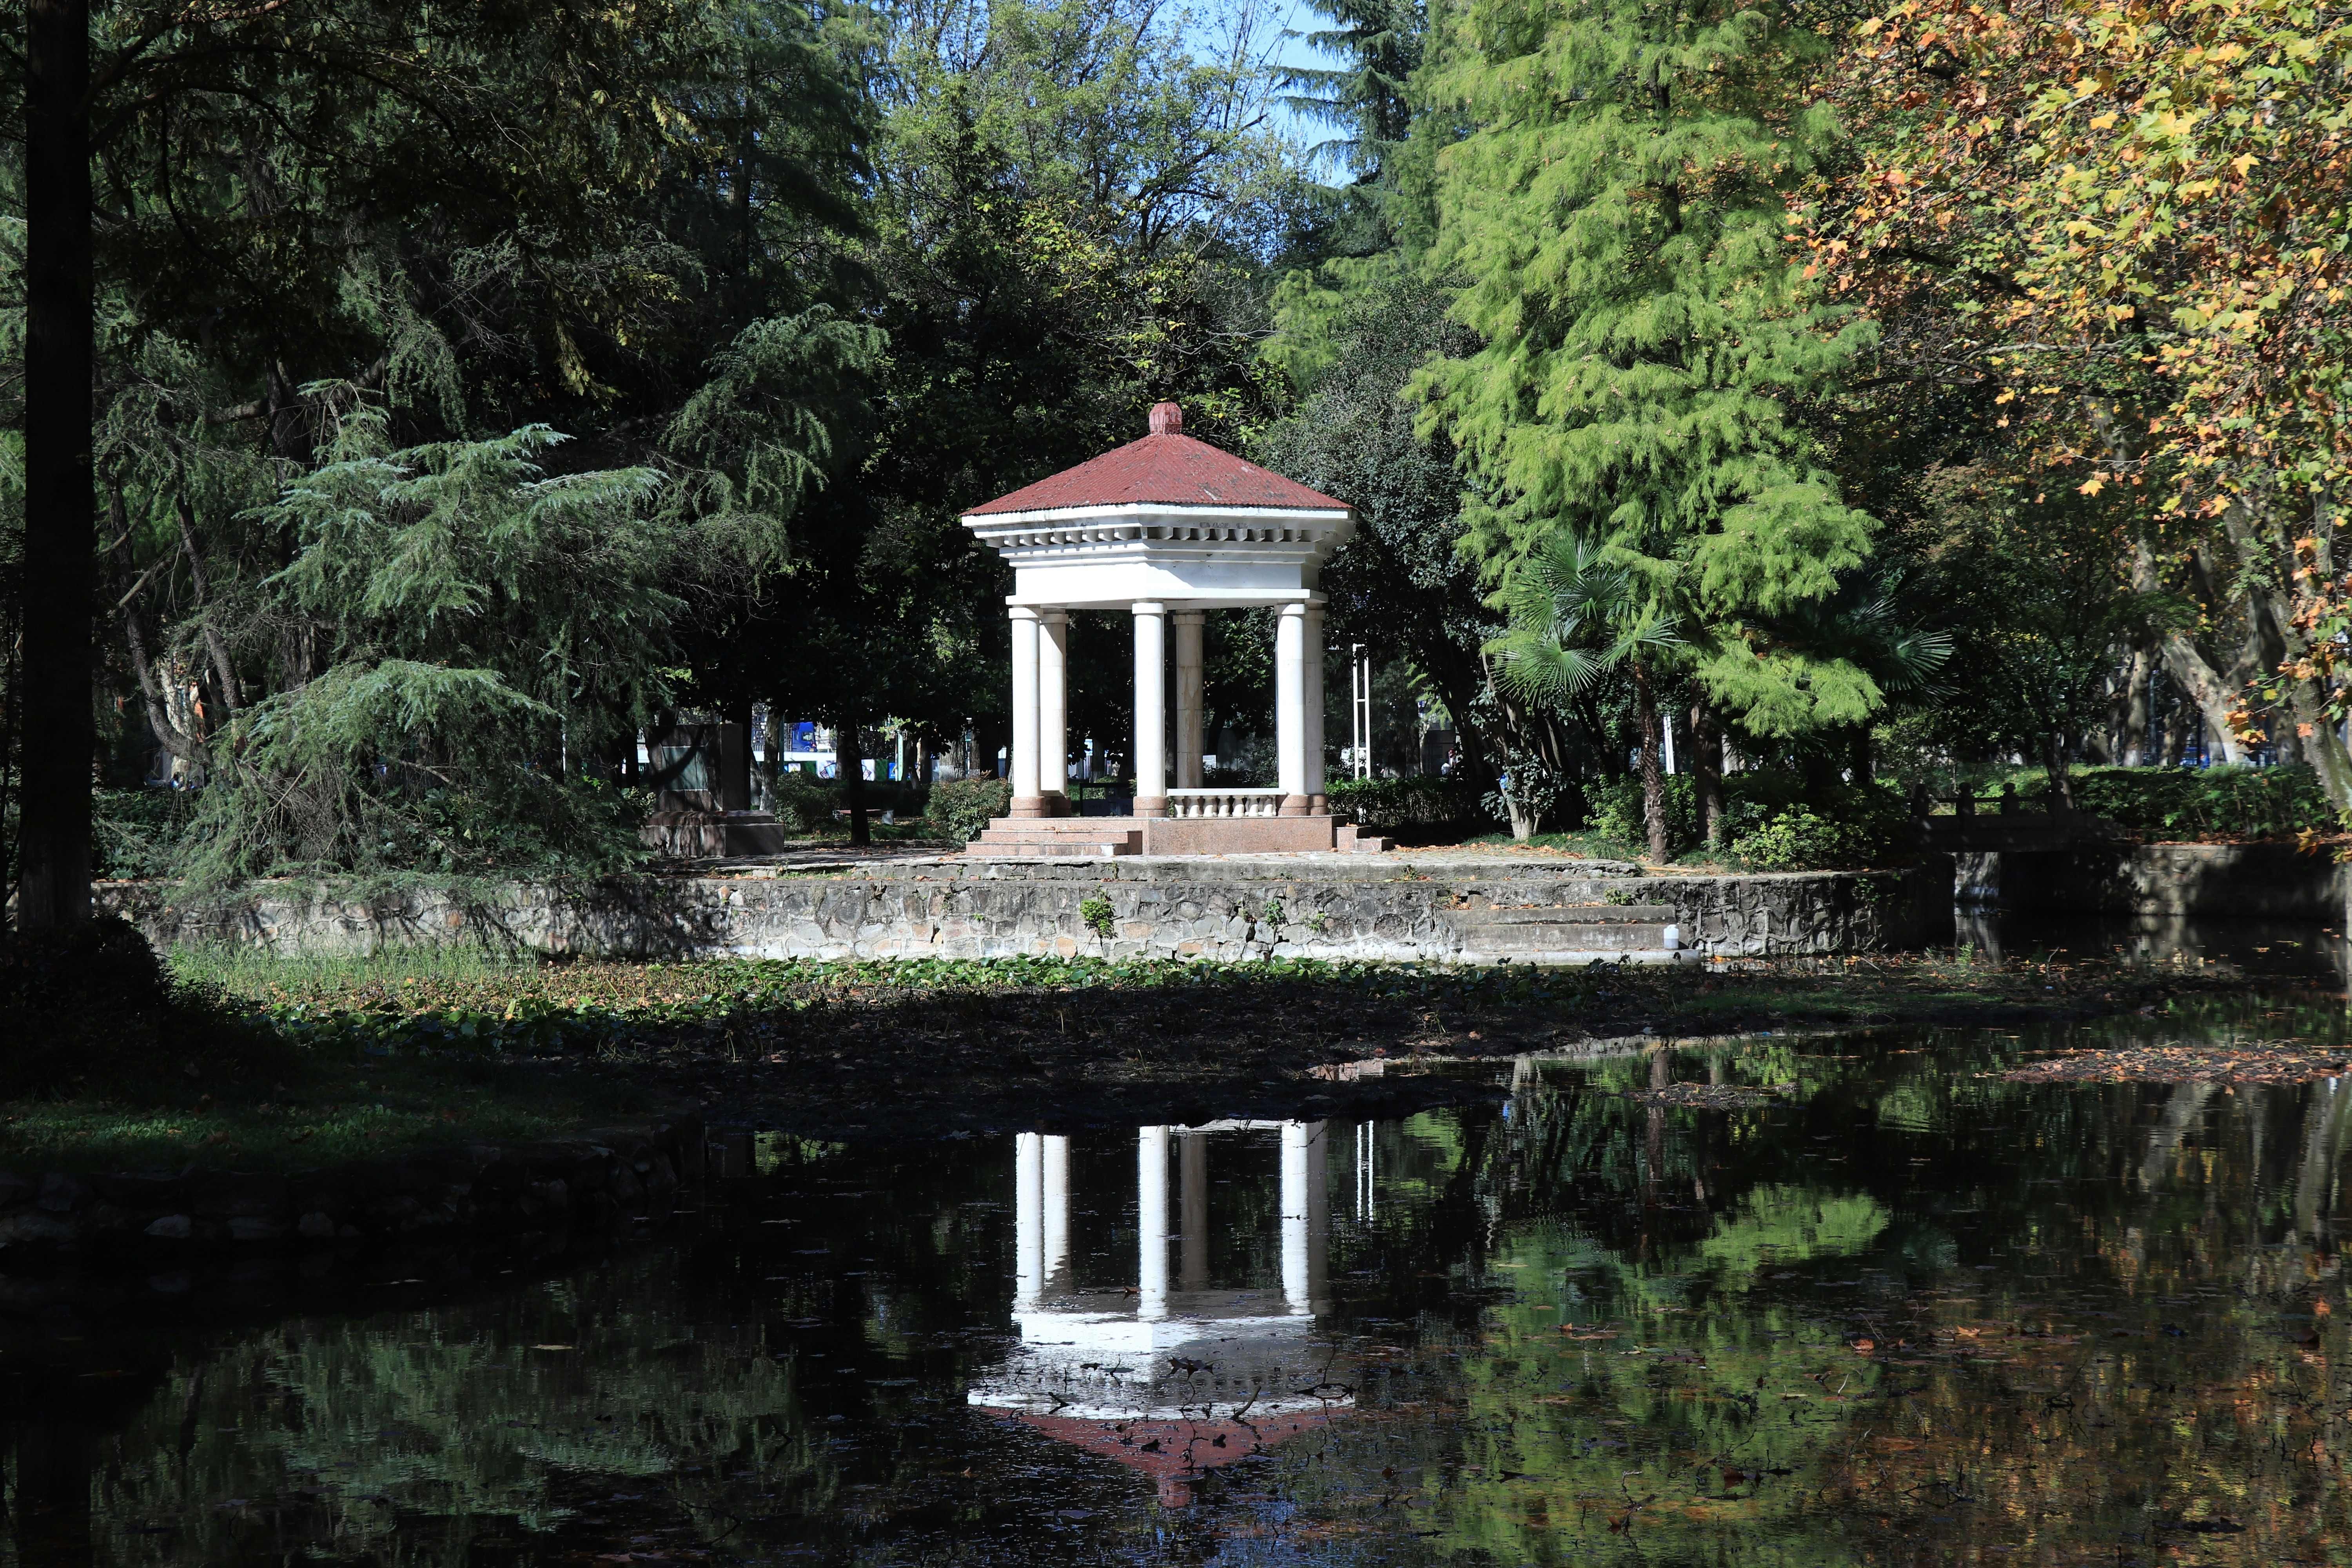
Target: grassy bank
x,y
416,1048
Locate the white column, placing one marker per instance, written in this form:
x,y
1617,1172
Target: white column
x,y
1188,698
1053,703
1310,703
1151,708
1056,1185
1151,1223
1296,1290
1289,711
1028,1219
1025,802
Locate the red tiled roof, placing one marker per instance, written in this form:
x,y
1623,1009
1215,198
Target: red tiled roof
x,y
1167,467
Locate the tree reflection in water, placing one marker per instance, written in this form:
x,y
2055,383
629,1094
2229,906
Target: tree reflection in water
x,y
1901,1314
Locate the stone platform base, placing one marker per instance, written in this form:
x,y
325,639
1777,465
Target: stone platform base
x,y
713,835
1468,910
1102,837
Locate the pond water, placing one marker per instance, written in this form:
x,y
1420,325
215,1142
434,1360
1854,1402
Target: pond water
x,y
1900,1313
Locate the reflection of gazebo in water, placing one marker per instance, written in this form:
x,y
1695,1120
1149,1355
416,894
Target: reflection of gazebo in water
x,y
1168,1379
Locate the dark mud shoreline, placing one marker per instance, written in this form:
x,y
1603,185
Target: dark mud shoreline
x,y
920,1067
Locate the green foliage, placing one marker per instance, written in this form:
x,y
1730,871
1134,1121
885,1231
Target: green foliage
x,y
2209,802
1775,822
804,803
1400,585
1800,838
1642,341
485,625
765,425
961,809
1617,812
1095,909
1417,806
93,1004
138,832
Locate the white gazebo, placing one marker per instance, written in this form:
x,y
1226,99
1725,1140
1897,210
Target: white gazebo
x,y
1166,528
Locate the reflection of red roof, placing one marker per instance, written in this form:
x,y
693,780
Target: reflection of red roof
x,y
1172,1452
1167,467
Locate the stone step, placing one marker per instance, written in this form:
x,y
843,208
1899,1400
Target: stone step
x,y
1037,851
1561,934
1055,837
1554,914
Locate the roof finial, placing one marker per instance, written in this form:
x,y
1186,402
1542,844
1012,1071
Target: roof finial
x,y
1167,419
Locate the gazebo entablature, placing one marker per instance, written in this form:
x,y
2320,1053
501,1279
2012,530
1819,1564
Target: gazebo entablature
x,y
1186,558
1166,528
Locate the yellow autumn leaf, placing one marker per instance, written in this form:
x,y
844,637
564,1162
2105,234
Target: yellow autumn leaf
x,y
2244,162
2101,121
2090,487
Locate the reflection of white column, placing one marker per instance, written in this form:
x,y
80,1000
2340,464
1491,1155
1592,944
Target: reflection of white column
x,y
1053,703
1193,1211
1367,1170
1310,704
1189,698
1319,1216
1152,1222
1151,708
1056,1185
1289,708
1296,1287
1024,713
1028,1218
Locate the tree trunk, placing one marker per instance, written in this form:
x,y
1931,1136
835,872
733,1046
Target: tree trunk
x,y
2132,743
2195,676
186,748
1861,761
1654,778
2055,764
849,761
1706,770
224,669
58,735
2303,733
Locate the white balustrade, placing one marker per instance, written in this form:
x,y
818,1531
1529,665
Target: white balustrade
x,y
1224,803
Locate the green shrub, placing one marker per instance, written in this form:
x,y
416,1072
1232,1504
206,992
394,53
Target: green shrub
x,y
1802,839
1419,806
2208,803
1616,812
94,1002
962,808
804,802
1770,822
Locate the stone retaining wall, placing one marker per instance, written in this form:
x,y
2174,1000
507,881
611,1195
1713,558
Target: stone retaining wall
x,y
601,1178
1369,907
2250,881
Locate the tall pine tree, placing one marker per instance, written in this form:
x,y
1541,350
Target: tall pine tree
x,y
1616,221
